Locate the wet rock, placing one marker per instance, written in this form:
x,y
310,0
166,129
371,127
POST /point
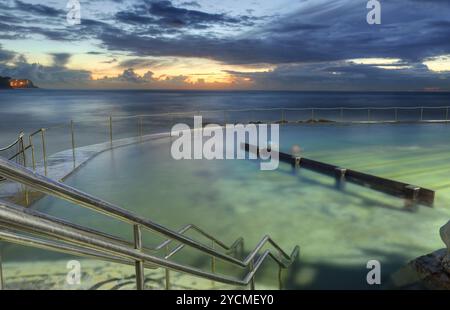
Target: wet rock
x,y
431,272
445,235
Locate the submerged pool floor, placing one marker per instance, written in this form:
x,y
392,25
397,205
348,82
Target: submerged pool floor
x,y
338,231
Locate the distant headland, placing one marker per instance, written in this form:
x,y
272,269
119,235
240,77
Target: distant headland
x,y
9,83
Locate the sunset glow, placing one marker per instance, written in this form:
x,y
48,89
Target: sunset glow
x,y
202,44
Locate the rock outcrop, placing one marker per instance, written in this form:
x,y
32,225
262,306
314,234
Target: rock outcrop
x,y
431,271
9,83
445,236
4,82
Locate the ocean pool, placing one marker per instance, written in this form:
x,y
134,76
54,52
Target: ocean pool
x,y
338,231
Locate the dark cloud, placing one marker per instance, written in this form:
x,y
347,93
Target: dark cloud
x,y
232,51
164,14
133,18
16,66
130,76
180,17
5,55
8,18
46,76
60,59
307,46
297,26
131,79
145,63
114,60
343,76
321,32
193,4
39,9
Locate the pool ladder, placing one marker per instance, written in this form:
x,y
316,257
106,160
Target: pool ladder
x,y
29,227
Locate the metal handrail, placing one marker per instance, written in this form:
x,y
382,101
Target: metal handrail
x,y
21,135
18,141
24,176
190,113
112,238
235,244
10,235
15,216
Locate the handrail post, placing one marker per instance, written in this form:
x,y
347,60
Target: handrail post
x,y
44,151
411,198
225,117
280,278
2,283
110,130
22,150
140,128
24,158
171,120
252,280
312,115
396,114
421,114
368,115
446,114
213,259
33,160
339,175
167,271
342,115
73,143
139,264
283,116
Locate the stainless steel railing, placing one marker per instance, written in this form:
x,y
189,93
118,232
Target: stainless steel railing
x,y
15,150
77,242
282,115
45,185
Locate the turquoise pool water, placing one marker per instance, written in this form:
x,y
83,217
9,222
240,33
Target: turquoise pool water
x,y
338,231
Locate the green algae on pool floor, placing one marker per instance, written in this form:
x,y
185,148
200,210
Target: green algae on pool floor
x,y
98,275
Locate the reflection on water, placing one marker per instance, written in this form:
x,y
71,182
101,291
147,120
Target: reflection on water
x,y
338,231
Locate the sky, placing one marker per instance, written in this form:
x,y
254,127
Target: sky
x,y
308,45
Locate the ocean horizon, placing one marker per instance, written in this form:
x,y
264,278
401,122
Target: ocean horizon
x,y
30,109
